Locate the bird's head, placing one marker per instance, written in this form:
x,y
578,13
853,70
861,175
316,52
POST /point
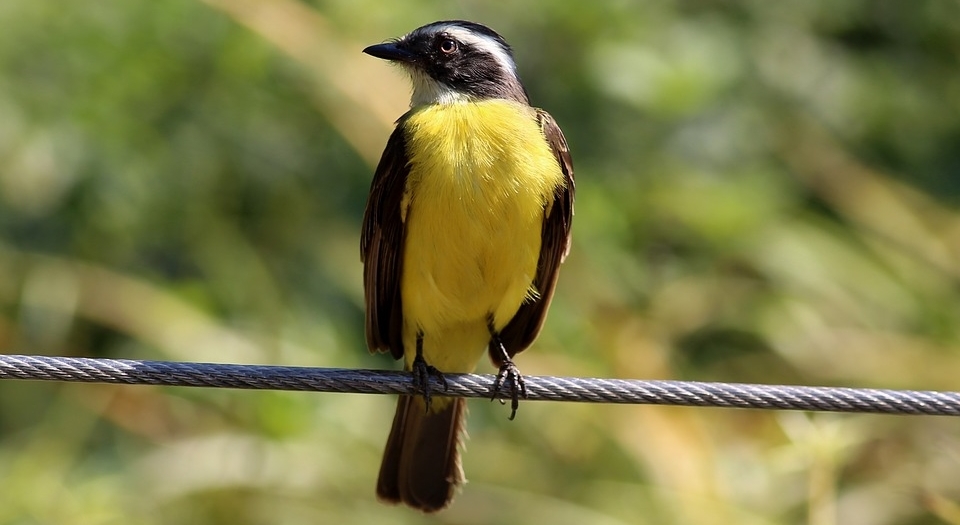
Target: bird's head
x,y
453,61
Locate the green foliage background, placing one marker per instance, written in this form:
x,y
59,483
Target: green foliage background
x,y
767,192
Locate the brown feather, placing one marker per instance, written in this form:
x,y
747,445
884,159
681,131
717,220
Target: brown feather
x,y
524,327
421,462
381,248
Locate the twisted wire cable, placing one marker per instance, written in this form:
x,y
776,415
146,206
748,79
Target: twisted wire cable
x,y
590,390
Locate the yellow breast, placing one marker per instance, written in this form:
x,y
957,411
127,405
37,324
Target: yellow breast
x,y
481,174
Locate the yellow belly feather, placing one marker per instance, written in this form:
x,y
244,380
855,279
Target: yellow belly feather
x,y
481,174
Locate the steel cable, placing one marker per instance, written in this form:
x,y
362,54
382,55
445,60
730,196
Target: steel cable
x,y
590,390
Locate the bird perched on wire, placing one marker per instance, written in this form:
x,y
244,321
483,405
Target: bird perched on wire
x,y
466,225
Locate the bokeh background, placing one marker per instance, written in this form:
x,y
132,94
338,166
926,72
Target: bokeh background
x,y
767,192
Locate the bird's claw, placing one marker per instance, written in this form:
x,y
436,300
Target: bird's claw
x,y
509,373
421,379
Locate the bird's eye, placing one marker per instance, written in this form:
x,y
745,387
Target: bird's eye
x,y
448,46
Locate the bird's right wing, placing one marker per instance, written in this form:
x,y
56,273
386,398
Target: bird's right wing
x,y
381,248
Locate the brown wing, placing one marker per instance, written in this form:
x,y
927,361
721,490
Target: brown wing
x,y
381,248
521,331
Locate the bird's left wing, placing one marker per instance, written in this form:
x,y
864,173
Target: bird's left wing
x,y
521,331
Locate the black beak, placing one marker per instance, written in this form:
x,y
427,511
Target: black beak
x,y
391,51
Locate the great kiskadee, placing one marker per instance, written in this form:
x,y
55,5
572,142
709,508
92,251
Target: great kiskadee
x,y
465,228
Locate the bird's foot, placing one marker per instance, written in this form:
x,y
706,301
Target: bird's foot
x,y
509,373
421,378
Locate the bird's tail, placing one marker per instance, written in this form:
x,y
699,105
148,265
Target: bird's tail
x,y
421,463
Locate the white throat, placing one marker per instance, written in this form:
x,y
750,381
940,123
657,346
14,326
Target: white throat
x,y
426,90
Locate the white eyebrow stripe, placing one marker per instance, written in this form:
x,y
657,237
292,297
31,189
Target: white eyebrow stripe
x,y
484,43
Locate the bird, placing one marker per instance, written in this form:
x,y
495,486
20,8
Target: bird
x,y
467,222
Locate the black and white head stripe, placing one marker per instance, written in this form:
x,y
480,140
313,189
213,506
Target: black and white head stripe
x,y
457,60
476,36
